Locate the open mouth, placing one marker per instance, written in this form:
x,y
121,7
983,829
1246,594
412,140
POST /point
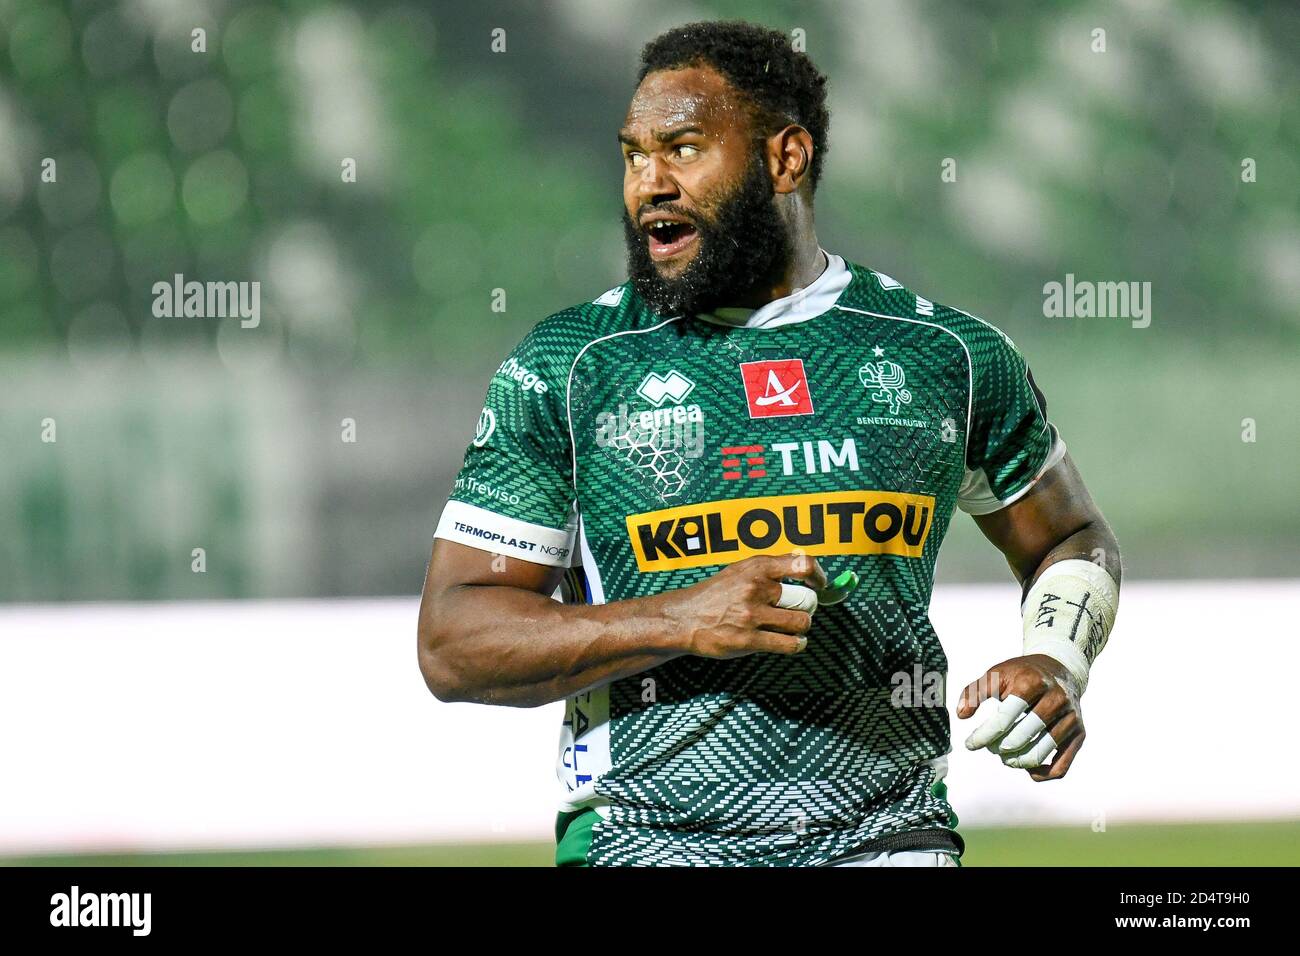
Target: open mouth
x,y
669,237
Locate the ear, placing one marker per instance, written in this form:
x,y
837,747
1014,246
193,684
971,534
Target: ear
x,y
790,155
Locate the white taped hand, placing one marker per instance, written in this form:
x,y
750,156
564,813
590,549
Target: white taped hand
x,y
1021,745
796,597
1035,756
996,727
1023,734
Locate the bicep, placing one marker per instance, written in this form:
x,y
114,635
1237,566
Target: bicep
x,y
468,595
458,571
454,565
1055,508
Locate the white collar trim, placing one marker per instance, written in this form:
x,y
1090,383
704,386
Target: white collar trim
x,y
799,306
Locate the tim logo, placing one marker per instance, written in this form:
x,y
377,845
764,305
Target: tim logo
x,y
751,455
776,388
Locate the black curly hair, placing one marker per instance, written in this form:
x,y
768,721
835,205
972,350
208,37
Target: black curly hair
x,y
781,86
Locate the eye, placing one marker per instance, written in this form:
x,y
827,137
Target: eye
x,y
687,151
635,160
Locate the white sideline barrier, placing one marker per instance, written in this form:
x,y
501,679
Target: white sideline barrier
x,y
134,726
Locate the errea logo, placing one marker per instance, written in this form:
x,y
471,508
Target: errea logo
x,y
657,389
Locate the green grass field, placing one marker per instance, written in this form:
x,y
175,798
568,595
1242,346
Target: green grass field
x,y
1205,844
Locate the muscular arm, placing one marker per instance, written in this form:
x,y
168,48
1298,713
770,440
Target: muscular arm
x,y
495,637
489,633
1057,520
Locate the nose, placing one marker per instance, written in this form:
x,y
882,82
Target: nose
x,y
654,185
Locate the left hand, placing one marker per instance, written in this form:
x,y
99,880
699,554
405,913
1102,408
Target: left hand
x,y
1055,721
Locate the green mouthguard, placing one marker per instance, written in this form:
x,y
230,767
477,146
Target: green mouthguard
x,y
838,589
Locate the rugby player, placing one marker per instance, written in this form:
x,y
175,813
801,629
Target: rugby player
x,y
689,457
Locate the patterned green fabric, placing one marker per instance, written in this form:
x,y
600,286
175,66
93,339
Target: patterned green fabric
x,y
763,760
573,837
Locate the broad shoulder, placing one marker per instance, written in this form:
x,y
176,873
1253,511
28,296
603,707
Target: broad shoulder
x,y
562,336
876,294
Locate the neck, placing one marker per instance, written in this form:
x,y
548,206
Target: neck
x,y
804,267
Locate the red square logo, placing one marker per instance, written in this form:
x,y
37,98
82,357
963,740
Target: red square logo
x,y
776,388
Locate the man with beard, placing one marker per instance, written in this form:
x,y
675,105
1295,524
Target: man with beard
x,y
690,455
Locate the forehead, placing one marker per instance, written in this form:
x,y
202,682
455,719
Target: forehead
x,y
690,96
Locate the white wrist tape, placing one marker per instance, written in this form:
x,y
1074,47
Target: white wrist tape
x,y
1068,615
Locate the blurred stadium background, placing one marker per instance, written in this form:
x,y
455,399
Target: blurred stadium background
x,y
273,701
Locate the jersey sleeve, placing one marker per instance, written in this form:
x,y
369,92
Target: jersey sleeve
x,y
514,493
1011,443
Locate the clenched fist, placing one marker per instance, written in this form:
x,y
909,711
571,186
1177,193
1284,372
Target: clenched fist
x,y
735,612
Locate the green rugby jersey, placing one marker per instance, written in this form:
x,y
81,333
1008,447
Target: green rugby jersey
x,y
647,452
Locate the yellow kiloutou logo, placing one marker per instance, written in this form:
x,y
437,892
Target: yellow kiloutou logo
x,y
832,522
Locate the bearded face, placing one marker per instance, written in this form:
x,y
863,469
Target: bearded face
x,y
735,243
